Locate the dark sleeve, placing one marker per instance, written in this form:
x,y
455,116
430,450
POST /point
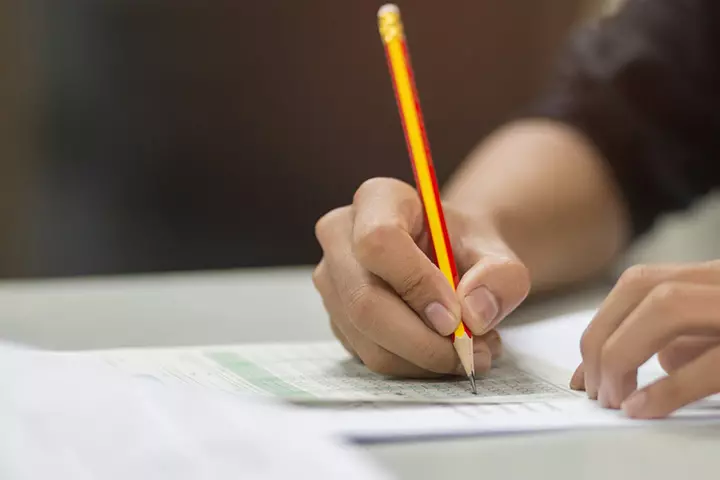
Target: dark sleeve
x,y
643,86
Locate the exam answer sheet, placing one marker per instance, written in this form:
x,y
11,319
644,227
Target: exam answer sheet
x,y
527,391
536,367
325,373
538,362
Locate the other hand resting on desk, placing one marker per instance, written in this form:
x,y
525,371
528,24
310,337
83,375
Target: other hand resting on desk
x,y
671,310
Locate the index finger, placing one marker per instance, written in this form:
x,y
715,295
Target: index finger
x,y
388,227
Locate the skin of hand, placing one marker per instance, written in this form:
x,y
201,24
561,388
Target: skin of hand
x,y
670,310
533,204
390,305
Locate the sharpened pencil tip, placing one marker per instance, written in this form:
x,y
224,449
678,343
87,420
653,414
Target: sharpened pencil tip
x,y
473,384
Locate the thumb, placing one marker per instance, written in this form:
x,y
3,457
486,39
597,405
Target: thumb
x,y
493,286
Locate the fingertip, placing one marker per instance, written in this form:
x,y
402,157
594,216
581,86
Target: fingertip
x,y
635,406
590,384
591,394
507,282
577,382
480,310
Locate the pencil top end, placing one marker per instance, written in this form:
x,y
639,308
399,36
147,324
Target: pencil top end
x,y
389,23
388,9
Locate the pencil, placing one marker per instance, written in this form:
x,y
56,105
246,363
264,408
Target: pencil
x,y
396,51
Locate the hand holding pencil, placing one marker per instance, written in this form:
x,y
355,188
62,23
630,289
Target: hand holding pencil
x,y
388,301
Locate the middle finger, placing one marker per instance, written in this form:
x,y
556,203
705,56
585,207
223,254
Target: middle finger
x,y
372,355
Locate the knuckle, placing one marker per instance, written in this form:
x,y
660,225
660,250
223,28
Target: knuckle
x,y
360,304
635,275
666,295
368,186
375,185
411,284
371,242
328,222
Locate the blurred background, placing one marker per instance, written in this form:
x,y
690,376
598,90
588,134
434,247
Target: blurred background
x,y
158,135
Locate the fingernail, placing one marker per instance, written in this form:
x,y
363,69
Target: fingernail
x,y
483,305
441,319
634,404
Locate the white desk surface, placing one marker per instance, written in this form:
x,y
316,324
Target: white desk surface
x,y
236,306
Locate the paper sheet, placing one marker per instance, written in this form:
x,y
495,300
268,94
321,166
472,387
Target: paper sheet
x,y
408,423
555,343
524,393
324,372
550,349
72,418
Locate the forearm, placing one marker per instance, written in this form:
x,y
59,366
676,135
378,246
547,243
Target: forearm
x,y
552,198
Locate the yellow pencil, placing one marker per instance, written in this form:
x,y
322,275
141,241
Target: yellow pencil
x,y
393,37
